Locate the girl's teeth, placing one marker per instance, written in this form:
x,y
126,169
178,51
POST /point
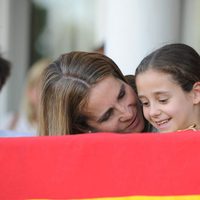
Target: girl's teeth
x,y
162,122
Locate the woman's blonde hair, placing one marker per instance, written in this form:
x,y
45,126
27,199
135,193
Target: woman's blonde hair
x,y
65,86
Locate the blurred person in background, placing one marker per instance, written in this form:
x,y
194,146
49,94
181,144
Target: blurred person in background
x,y
5,68
4,71
100,49
26,120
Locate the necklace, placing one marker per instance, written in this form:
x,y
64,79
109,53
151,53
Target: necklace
x,y
192,127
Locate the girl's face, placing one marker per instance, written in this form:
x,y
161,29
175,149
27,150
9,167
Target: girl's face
x,y
165,105
114,107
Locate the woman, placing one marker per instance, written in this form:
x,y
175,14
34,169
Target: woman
x,y
86,92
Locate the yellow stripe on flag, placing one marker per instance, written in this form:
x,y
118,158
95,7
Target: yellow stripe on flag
x,y
184,197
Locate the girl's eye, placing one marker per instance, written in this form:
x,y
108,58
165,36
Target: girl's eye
x,y
144,103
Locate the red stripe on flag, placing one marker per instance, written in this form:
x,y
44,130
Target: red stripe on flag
x,y
100,165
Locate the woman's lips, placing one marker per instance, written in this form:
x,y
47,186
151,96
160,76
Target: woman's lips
x,y
133,123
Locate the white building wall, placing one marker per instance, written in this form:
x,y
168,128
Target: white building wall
x,y
191,23
4,43
136,27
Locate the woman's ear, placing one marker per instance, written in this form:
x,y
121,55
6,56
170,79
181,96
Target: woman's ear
x,y
196,92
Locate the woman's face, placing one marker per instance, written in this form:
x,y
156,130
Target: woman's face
x,y
114,107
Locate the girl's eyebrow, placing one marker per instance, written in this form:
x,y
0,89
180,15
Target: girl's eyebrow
x,y
156,93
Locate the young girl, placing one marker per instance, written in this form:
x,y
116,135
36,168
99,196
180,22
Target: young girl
x,y
168,86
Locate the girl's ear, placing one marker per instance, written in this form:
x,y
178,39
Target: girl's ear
x,y
196,92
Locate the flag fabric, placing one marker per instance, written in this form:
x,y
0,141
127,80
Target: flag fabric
x,y
101,166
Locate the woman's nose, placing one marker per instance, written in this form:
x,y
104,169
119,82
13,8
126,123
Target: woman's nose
x,y
125,113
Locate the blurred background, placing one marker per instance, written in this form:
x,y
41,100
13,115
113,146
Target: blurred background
x,y
126,29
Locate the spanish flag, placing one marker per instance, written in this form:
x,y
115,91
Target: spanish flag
x,y
101,166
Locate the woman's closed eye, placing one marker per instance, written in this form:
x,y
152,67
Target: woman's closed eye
x,y
106,116
122,92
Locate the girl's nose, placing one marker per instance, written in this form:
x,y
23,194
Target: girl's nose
x,y
154,111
